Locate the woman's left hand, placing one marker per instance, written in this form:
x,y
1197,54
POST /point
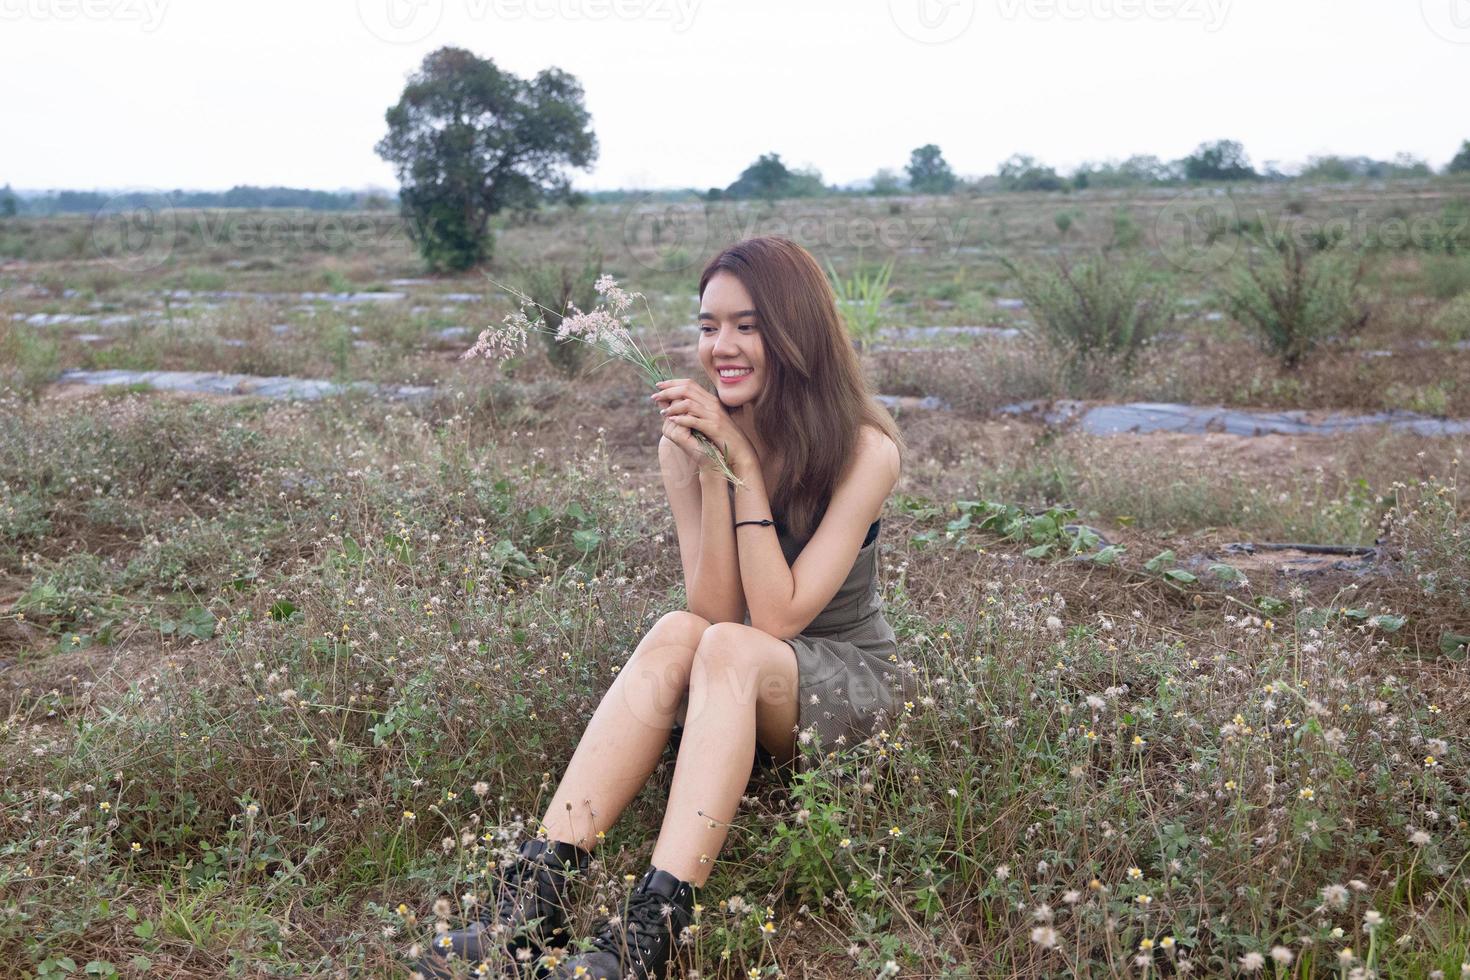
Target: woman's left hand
x,y
686,403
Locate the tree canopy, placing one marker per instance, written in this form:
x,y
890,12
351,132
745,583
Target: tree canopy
x,y
1220,160
1025,173
469,140
928,171
769,178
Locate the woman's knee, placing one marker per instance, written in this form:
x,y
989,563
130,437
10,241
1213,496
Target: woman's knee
x,y
727,655
667,651
733,656
679,627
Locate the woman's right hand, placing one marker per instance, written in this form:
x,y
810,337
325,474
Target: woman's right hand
x,y
696,456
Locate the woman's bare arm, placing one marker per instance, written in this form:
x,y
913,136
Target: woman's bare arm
x,y
704,518
785,599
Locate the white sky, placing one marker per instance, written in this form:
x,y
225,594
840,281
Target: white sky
x,y
205,94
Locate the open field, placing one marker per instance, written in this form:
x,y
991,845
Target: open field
x,y
279,673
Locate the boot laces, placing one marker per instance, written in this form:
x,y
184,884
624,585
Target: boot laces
x,y
525,875
644,934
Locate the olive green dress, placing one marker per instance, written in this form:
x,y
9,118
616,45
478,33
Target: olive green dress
x,y
849,675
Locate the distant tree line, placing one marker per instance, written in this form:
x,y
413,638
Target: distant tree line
x,y
926,173
1215,162
90,202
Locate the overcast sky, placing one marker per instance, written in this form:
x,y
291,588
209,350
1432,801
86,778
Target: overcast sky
x,y
206,94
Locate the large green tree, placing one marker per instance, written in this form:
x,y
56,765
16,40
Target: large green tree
x,y
469,140
929,172
1026,173
1220,160
770,178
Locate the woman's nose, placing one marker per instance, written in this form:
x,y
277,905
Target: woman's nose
x,y
725,344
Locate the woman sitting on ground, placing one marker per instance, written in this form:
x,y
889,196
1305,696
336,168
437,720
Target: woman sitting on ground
x,y
784,639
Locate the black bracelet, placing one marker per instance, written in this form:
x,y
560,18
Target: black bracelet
x,y
761,523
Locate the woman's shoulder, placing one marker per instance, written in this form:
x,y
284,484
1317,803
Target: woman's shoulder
x,y
875,460
875,444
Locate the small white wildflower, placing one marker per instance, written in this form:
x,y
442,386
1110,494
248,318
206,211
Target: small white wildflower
x,y
1335,896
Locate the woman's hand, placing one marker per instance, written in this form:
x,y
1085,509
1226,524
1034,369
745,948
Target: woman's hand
x,y
689,408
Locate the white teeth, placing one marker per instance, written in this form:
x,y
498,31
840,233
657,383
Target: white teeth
x,y
735,373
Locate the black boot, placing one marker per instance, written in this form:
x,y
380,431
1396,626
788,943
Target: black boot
x,y
531,889
639,944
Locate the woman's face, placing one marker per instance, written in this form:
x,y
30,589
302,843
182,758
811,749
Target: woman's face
x,y
730,338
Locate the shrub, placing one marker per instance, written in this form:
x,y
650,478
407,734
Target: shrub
x,y
1447,276
557,287
861,300
28,359
1454,319
1429,528
1126,233
1094,308
1298,301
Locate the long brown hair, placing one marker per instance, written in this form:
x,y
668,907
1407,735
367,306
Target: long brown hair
x,y
816,398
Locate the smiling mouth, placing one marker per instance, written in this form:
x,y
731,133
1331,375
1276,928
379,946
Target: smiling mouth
x,y
734,374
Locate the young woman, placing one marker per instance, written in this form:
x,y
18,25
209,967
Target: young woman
x,y
784,636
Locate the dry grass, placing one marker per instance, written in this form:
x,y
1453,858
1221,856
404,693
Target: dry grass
x,y
261,633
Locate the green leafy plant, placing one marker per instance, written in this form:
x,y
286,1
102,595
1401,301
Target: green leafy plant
x,y
861,297
1162,565
1094,308
1299,300
1047,531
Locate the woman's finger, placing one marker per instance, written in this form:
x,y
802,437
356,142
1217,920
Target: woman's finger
x,y
690,421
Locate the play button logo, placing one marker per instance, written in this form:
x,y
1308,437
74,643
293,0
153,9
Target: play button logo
x,y
1450,19
932,21
400,21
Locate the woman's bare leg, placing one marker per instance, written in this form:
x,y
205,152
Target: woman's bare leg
x,y
743,686
627,733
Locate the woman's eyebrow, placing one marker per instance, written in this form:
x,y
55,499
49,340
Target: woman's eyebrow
x,y
706,315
